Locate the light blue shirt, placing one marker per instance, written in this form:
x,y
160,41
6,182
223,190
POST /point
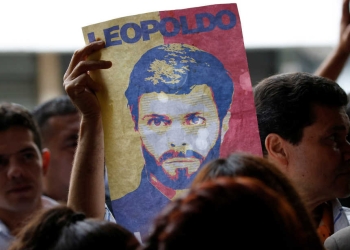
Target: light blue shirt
x,y
6,237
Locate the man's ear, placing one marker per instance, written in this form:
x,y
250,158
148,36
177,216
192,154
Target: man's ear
x,y
275,146
45,153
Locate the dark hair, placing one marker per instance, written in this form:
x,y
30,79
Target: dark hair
x,y
13,114
348,105
284,103
61,228
238,212
248,165
61,105
175,69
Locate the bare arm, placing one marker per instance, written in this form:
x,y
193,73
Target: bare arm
x,y
86,191
334,63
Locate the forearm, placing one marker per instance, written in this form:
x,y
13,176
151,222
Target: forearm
x,y
86,192
332,66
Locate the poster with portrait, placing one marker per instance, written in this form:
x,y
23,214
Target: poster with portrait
x,y
177,96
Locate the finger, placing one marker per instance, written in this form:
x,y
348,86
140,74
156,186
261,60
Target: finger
x,y
81,54
85,66
79,84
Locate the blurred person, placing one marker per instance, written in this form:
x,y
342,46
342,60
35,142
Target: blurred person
x,y
346,201
335,62
23,164
303,128
59,123
226,211
244,164
63,228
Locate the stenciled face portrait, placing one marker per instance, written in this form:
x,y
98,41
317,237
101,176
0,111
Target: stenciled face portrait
x,y
179,97
179,130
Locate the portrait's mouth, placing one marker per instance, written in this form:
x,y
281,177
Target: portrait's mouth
x,y
180,159
171,165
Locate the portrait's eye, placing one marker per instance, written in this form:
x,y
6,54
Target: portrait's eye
x,y
158,121
194,119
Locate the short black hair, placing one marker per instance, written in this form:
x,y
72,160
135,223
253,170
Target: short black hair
x,y
14,114
61,105
284,103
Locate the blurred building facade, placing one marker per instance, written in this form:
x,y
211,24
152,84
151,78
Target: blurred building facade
x,y
31,78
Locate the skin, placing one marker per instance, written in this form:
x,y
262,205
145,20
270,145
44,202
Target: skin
x,y
87,178
334,63
319,165
190,123
22,167
60,136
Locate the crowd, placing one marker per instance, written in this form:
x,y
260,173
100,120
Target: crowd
x,y
54,191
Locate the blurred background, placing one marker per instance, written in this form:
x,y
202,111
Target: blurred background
x,y
39,38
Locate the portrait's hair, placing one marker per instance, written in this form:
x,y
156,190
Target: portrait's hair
x,y
13,114
60,228
284,103
227,211
248,165
60,105
175,69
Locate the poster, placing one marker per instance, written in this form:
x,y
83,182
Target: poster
x,y
177,96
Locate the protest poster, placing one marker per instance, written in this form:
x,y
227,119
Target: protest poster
x,y
178,95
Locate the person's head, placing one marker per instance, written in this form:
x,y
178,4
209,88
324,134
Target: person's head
x,y
248,165
61,227
59,123
227,211
23,162
179,97
303,127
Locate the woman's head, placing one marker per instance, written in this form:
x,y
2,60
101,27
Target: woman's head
x,y
226,211
61,228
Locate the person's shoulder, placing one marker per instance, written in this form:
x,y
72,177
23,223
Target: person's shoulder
x,y
48,202
5,236
339,240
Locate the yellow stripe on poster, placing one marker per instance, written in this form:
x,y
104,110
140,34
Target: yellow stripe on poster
x,y
123,154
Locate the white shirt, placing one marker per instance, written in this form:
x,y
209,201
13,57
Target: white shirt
x,y
341,215
5,235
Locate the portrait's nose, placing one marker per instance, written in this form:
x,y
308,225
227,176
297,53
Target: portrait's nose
x,y
177,136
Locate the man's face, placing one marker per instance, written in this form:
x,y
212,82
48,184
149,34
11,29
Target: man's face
x,y
320,163
21,171
60,136
179,130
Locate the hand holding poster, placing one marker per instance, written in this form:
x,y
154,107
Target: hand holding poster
x,y
178,96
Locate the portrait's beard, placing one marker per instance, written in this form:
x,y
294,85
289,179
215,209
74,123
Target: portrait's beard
x,y
183,177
